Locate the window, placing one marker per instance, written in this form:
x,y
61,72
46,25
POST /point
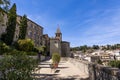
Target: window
x,y
55,42
31,25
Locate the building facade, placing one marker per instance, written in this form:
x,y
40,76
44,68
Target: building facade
x,y
34,31
55,46
65,48
59,46
3,22
46,43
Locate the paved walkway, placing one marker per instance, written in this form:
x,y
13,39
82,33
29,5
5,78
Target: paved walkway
x,y
65,71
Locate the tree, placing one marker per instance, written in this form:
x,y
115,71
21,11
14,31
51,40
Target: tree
x,y
56,57
4,4
114,63
84,48
95,47
3,48
108,47
11,25
23,27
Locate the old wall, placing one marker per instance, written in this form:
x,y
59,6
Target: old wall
x,y
95,71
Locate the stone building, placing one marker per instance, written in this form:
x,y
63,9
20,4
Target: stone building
x,y
34,31
46,43
3,22
59,46
55,46
65,46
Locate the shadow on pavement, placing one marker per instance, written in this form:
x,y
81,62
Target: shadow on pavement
x,y
57,67
45,74
54,76
57,71
47,64
57,78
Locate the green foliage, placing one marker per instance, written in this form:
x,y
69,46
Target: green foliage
x,y
35,50
13,52
25,45
17,67
3,36
31,53
90,49
23,27
99,61
11,25
4,48
41,49
56,57
115,63
84,49
4,4
95,47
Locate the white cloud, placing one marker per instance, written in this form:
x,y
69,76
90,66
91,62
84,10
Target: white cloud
x,y
104,30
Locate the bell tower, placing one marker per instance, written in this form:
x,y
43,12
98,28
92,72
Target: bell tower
x,y
58,34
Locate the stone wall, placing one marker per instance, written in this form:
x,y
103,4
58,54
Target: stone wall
x,y
3,22
34,31
36,57
81,65
65,48
99,72
95,71
55,46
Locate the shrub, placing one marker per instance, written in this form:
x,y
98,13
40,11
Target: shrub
x,y
31,53
4,48
17,67
25,45
115,63
19,52
99,61
56,57
35,49
41,49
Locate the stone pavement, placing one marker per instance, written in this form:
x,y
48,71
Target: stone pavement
x,y
65,71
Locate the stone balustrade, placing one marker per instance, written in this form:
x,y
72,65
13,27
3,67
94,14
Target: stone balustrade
x,y
81,65
95,71
99,72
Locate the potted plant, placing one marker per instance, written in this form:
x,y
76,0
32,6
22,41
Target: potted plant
x,y
55,59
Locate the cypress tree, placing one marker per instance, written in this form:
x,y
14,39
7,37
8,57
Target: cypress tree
x,y
11,25
23,27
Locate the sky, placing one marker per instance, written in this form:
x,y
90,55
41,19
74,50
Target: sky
x,y
82,22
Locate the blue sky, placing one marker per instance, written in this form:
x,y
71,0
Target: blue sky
x,y
82,22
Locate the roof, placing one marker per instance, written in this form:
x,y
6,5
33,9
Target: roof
x,y
65,42
31,21
58,30
34,23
